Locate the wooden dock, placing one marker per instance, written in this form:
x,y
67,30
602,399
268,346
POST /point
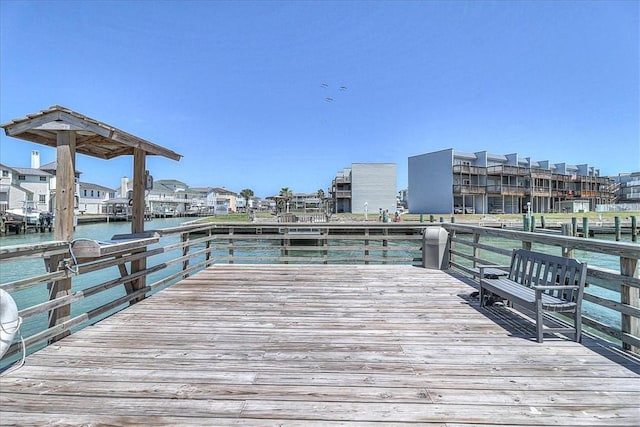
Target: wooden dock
x,y
320,345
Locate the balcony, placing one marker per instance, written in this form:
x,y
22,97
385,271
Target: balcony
x,y
506,190
341,180
469,189
469,170
540,191
343,194
540,173
507,170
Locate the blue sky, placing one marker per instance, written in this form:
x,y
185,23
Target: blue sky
x,y
237,88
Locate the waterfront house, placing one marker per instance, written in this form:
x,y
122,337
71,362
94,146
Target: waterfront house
x,y
222,201
365,187
92,197
199,202
38,186
305,202
12,196
168,197
493,183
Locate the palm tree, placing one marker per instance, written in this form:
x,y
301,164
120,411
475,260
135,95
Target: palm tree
x,y
320,194
246,194
286,195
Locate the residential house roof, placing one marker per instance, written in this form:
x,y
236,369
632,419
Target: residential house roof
x,y
7,167
31,171
52,167
91,186
222,191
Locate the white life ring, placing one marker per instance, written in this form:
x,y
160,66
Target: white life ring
x,y
9,321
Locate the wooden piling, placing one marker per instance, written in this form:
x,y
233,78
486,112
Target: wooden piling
x,y
616,221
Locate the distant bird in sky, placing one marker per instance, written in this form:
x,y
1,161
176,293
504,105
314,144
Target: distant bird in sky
x,y
326,86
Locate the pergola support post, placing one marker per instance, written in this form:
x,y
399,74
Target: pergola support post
x,y
63,222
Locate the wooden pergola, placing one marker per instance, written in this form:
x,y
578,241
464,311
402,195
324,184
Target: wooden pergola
x,y
70,133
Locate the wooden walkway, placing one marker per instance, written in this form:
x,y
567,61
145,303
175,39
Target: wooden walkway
x,y
319,345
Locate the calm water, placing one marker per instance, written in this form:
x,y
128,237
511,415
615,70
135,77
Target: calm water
x,y
104,231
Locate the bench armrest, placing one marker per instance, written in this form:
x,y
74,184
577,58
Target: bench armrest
x,y
551,288
501,267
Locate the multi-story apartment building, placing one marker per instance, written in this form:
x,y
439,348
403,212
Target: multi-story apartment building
x,y
449,181
365,187
627,187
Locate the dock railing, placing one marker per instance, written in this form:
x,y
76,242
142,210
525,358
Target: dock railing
x,y
614,290
103,282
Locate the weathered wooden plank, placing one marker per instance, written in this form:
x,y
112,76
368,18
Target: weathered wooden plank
x,y
320,345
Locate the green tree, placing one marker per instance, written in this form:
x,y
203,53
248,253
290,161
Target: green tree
x,y
286,195
246,194
320,194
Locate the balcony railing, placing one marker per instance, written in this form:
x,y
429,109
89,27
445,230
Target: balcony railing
x,y
507,170
469,189
469,170
343,194
506,190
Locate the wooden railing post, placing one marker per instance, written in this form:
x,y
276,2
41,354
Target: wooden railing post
x,y
630,296
185,251
366,246
207,245
325,245
58,289
231,245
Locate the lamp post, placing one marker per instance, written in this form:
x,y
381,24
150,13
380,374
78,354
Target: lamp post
x,y
366,209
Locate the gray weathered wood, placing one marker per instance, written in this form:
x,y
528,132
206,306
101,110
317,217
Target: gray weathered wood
x,y
541,282
319,345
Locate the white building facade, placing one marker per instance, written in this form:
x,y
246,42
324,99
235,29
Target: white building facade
x,y
365,188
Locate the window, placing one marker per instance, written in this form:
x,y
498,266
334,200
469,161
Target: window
x,y
5,173
42,198
22,178
91,193
43,179
98,193
85,193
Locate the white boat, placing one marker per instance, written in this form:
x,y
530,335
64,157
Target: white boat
x,y
27,217
27,213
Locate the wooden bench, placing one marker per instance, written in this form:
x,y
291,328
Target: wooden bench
x,y
541,282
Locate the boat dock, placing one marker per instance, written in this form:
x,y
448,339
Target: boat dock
x,y
320,345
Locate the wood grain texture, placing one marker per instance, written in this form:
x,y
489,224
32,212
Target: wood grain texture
x,y
320,345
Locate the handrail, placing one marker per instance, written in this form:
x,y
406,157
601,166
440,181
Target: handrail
x,y
181,251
